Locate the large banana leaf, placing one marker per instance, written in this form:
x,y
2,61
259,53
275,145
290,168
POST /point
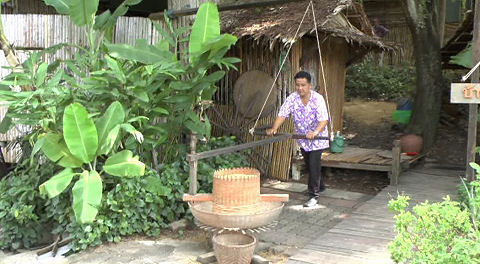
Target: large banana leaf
x,y
108,127
82,12
124,164
220,43
120,11
56,150
116,69
101,20
57,184
41,74
60,5
205,28
87,194
464,57
141,52
80,132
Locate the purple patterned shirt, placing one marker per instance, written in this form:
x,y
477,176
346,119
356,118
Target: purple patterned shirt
x,y
307,118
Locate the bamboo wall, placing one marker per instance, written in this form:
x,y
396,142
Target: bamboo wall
x,y
273,159
399,34
334,57
31,32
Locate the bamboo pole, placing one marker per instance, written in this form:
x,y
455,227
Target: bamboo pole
x,y
473,108
193,164
193,11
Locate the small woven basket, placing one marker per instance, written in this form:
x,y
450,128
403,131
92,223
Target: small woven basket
x,y
234,247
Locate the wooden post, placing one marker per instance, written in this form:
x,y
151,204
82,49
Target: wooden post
x,y
396,169
473,108
193,164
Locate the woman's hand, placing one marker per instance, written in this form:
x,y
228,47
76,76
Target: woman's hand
x,y
271,131
311,135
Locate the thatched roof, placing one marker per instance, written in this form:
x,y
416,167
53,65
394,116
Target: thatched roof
x,y
337,18
458,42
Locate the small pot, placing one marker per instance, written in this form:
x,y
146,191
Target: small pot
x,y
411,143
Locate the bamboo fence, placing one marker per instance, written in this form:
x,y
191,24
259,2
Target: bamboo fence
x,y
31,32
274,159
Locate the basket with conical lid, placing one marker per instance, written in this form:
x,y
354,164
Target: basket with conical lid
x,y
236,201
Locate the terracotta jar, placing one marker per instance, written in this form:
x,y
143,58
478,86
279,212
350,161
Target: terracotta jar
x,y
411,143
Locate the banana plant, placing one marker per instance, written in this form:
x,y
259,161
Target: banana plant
x,y
185,96
79,149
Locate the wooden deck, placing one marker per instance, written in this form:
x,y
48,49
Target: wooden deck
x,y
362,237
391,161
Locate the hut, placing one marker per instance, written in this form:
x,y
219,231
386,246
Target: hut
x,y
265,35
391,15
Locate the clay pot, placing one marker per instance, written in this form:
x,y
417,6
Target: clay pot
x,y
411,143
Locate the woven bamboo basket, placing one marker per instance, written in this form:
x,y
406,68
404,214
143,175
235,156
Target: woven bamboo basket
x,y
236,191
234,247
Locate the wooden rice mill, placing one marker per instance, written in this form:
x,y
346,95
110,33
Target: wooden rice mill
x,y
234,211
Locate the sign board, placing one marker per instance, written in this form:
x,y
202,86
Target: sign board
x,y
465,93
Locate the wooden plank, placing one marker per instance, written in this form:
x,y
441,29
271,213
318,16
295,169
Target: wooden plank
x,y
292,135
349,153
220,151
311,256
355,166
359,156
367,153
356,244
386,162
374,160
369,226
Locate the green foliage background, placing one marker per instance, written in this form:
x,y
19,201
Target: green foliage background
x,y
129,206
367,80
165,94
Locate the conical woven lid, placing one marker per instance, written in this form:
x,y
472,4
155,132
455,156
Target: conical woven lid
x,y
236,190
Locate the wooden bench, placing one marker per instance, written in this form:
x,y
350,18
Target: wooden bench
x,y
391,161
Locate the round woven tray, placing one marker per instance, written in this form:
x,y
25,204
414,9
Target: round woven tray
x,y
267,212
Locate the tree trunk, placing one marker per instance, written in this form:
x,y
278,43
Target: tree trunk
x,y
423,21
441,20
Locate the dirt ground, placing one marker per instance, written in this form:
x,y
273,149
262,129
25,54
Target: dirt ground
x,y
369,125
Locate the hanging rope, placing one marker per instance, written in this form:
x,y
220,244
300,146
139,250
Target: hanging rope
x,y
323,70
310,5
279,71
464,78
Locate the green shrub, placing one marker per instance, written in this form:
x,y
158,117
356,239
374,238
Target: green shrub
x,y
433,233
137,205
131,207
367,80
21,206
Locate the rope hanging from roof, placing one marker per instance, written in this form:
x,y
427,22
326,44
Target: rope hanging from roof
x,y
310,5
323,70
